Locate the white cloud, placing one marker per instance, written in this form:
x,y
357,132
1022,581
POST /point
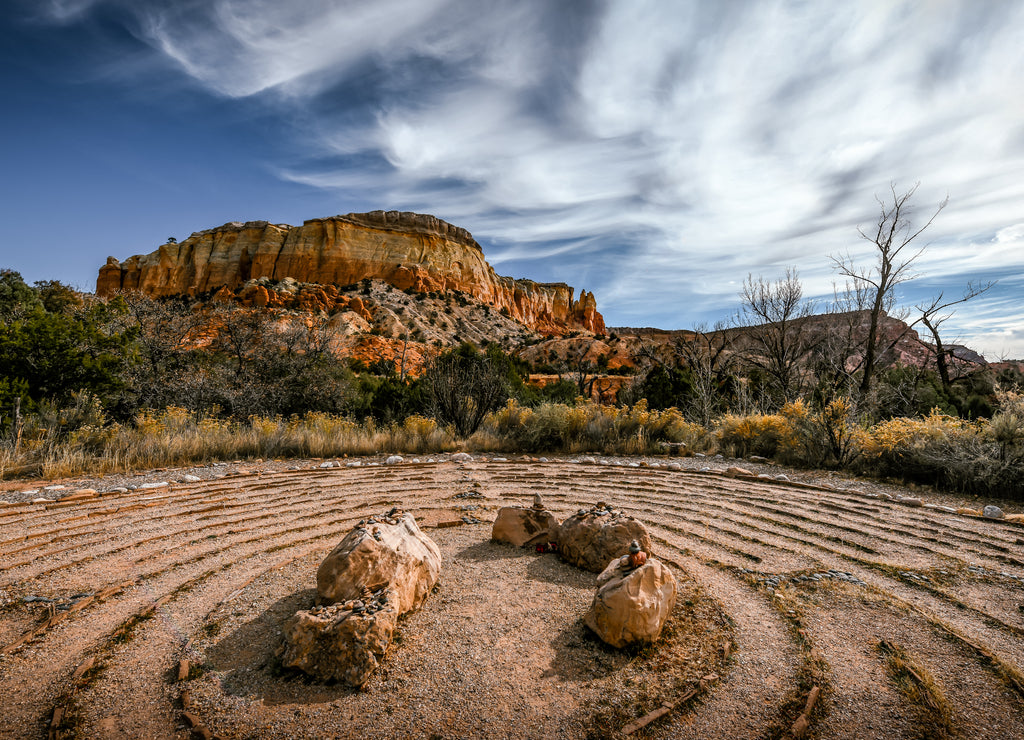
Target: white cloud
x,y
65,11
696,142
244,47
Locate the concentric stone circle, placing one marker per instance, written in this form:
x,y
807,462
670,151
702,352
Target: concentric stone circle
x,y
197,572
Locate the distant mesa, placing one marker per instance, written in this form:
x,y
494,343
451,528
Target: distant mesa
x,y
410,251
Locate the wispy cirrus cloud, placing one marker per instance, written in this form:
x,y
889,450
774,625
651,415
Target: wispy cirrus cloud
x,y
661,149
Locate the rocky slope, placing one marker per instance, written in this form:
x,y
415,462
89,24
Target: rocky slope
x,y
902,344
409,251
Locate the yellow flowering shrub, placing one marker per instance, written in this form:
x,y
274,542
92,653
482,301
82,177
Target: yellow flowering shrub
x,y
797,435
755,434
419,427
509,419
894,438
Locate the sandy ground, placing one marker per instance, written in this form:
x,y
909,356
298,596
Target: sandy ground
x,y
102,595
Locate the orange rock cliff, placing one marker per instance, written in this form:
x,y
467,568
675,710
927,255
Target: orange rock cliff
x,y
407,250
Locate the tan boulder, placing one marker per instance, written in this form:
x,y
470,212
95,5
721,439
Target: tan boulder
x,y
383,568
342,642
261,297
735,472
632,604
523,527
591,538
356,305
388,550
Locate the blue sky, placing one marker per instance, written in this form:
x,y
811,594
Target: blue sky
x,y
654,152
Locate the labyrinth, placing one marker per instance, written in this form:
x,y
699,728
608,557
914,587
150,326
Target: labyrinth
x,y
803,612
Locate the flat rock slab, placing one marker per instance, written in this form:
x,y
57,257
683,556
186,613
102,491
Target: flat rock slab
x,y
523,527
387,550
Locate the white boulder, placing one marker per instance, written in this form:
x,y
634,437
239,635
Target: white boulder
x,y
992,512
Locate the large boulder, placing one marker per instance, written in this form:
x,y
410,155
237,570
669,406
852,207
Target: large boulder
x,y
342,642
523,527
591,538
383,568
632,604
388,550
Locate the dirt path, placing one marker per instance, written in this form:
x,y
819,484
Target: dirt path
x,y
803,583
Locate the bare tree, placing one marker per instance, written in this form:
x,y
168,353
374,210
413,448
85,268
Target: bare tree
x,y
579,368
775,316
935,314
839,354
239,333
462,386
242,361
705,353
165,333
892,237
294,369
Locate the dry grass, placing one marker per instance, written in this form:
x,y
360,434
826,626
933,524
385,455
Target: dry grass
x,y
178,437
587,427
934,715
813,670
972,457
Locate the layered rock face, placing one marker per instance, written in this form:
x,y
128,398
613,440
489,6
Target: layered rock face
x,y
407,250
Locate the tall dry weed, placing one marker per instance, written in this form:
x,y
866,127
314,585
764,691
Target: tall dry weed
x,y
586,427
984,456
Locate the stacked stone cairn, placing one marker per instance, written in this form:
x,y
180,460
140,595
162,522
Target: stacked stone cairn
x,y
383,568
386,567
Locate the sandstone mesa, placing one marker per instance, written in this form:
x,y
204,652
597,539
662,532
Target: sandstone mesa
x,y
410,251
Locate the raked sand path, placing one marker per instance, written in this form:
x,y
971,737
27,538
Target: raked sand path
x,y
902,621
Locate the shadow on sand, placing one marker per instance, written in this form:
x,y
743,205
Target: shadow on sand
x,y
579,654
489,550
542,567
248,659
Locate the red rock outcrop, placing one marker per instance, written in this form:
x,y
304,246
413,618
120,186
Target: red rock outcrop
x,y
407,250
